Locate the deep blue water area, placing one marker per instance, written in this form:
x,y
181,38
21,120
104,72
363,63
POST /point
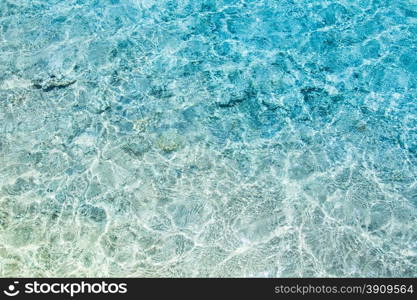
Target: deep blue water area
x,y
208,138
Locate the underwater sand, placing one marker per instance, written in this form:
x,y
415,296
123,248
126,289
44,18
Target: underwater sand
x,y
188,138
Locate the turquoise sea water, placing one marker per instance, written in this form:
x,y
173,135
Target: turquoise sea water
x,y
268,138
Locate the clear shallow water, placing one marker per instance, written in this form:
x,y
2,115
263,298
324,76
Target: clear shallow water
x,y
208,138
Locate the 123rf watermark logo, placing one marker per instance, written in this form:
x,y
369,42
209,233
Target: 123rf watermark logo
x,y
71,289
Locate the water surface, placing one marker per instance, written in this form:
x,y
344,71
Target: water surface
x,y
229,138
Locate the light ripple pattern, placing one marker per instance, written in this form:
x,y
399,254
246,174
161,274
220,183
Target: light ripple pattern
x,y
208,138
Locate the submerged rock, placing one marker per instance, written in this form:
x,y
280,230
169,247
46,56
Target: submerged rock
x,y
169,142
53,83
